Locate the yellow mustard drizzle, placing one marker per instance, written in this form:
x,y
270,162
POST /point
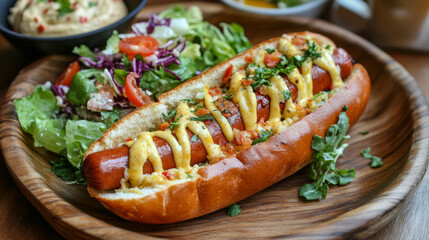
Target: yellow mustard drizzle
x,y
220,119
245,98
143,148
327,63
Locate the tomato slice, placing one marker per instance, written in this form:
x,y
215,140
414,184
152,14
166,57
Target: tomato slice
x,y
134,93
143,45
67,76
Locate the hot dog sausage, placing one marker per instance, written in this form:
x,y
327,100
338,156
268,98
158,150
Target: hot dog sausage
x,y
104,170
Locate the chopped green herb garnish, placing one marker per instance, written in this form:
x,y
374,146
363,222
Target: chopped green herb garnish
x,y
269,50
312,52
227,97
375,161
175,123
189,101
65,7
287,95
263,136
92,4
322,169
345,108
189,175
202,118
194,138
234,210
169,115
363,132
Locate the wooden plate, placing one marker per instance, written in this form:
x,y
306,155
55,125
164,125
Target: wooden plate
x,y
397,118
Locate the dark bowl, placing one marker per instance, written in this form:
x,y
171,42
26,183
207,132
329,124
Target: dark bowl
x,y
64,45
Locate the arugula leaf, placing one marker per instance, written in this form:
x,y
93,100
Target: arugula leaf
x,y
204,117
63,169
375,161
65,7
234,210
322,169
81,86
263,136
84,51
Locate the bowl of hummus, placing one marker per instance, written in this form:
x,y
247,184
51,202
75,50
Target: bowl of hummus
x,y
56,26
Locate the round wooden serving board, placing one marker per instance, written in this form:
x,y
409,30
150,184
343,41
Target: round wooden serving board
x,y
396,116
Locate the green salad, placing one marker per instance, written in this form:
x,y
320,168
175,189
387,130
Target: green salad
x,y
103,85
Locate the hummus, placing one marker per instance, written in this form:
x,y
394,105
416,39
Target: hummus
x,y
53,18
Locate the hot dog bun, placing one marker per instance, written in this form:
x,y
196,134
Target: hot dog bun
x,y
233,179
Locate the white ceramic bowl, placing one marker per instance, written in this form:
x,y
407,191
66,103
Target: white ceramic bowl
x,y
311,9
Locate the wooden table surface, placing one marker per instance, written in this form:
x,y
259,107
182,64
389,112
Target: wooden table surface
x,y
20,220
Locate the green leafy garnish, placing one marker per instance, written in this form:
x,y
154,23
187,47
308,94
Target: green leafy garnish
x,y
112,44
227,97
234,210
170,115
194,138
204,117
269,50
126,61
81,87
80,135
120,76
375,161
363,132
189,101
110,117
63,169
92,4
65,7
263,136
322,169
84,51
287,95
175,123
189,175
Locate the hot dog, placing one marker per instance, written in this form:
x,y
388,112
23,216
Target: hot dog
x,y
206,162
105,169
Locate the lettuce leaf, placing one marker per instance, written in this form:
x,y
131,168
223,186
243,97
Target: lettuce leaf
x,y
81,86
50,134
80,134
40,105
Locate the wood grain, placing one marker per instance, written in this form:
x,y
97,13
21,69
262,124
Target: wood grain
x,y
396,117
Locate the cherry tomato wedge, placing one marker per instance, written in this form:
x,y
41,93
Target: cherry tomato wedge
x,y
67,76
134,93
143,45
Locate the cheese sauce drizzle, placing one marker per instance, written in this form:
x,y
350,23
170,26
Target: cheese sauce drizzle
x,y
144,148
